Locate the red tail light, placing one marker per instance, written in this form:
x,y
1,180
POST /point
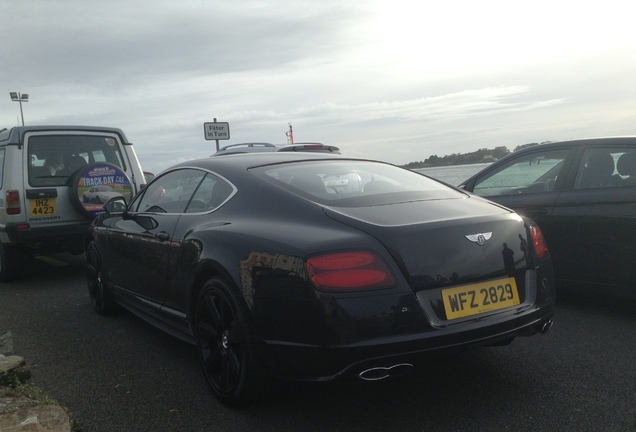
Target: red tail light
x,y
12,202
347,271
540,246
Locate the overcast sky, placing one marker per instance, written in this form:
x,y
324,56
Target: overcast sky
x,y
395,80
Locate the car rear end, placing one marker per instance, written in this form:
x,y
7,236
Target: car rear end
x,y
447,289
432,271
43,215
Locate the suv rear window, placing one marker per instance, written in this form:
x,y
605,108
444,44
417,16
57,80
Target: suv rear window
x,y
54,158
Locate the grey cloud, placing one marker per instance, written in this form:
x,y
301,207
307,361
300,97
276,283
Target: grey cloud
x,y
101,42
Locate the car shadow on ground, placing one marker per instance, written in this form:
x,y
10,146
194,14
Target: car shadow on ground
x,y
36,268
475,379
595,303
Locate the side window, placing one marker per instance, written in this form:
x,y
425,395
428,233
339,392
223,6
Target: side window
x,y
212,192
171,193
606,167
531,173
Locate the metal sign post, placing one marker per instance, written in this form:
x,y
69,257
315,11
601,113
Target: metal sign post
x,y
216,131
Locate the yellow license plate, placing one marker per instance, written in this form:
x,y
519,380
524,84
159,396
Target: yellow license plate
x,y
467,300
42,207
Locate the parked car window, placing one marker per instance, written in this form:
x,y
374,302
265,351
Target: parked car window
x,y
53,158
626,167
211,194
606,167
171,193
530,173
355,182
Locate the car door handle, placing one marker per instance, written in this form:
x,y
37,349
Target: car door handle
x,y
162,235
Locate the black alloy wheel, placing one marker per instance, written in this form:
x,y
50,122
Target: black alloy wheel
x,y
97,287
226,347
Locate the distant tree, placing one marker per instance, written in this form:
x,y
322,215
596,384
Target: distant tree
x,y
522,146
499,152
479,156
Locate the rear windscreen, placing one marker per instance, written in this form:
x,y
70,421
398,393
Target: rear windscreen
x,y
54,158
354,183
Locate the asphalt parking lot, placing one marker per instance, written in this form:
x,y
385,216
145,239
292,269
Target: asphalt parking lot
x,y
120,374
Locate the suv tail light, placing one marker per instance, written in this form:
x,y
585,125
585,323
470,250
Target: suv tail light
x,y
540,246
348,271
12,202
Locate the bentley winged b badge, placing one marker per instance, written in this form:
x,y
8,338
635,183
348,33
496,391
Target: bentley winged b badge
x,y
480,238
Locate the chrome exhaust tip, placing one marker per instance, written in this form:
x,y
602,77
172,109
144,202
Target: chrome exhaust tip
x,y
382,372
547,326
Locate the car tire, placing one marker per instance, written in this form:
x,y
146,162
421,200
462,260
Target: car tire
x,y
96,281
227,346
10,263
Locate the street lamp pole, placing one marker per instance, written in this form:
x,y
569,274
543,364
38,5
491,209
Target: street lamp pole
x,y
17,97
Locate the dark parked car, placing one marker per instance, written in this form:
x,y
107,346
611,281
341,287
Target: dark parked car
x,y
263,147
582,194
311,266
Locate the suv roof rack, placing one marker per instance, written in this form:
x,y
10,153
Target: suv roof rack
x,y
256,144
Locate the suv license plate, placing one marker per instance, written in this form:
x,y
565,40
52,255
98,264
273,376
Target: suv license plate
x,y
467,300
42,207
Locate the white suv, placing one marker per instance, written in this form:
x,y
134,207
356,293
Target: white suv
x,y
45,172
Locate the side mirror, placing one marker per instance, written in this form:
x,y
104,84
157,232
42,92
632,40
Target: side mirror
x,y
115,206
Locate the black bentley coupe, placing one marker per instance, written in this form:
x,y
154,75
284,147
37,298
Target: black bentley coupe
x,y
315,266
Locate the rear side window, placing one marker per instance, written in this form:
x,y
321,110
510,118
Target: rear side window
x,y
54,158
606,167
170,193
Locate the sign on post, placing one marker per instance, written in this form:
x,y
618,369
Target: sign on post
x,y
216,131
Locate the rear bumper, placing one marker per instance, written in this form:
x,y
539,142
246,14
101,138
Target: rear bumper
x,y
325,363
58,238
